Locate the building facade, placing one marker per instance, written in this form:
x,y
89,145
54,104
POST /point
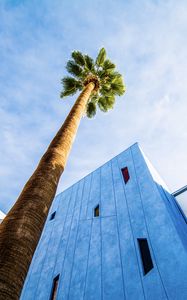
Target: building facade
x,y
116,234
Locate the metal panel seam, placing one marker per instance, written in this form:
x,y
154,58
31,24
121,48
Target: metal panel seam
x,y
76,240
87,260
77,188
119,244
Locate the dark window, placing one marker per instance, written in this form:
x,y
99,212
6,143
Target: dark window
x,y
52,215
145,255
125,173
54,287
96,211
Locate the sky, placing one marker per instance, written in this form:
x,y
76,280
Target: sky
x,y
146,40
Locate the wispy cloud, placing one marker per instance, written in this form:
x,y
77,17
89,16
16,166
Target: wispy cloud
x,y
146,39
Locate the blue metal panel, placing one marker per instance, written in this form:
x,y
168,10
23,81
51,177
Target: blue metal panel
x,y
93,275
85,197
132,196
80,261
95,194
111,261
65,234
65,277
107,193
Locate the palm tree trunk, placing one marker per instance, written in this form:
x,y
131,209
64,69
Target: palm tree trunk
x,y
22,227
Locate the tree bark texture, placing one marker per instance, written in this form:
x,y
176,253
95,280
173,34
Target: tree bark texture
x,y
22,227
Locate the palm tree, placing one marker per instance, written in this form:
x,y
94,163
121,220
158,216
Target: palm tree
x,y
20,231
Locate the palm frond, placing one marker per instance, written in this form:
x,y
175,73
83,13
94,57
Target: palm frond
x,y
106,103
95,98
89,62
91,110
74,68
108,65
112,75
101,57
105,90
78,58
110,101
70,82
66,93
101,74
106,76
117,86
70,86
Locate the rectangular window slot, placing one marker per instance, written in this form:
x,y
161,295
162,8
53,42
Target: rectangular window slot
x,y
54,288
96,211
126,175
145,255
53,215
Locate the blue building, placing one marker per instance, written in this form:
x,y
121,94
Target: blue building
x,y
116,234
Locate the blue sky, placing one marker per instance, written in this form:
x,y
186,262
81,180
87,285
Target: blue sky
x,y
146,40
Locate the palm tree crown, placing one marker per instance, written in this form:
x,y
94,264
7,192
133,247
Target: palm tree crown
x,y
108,82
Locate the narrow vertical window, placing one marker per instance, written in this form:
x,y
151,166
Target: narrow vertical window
x,y
53,215
126,175
96,211
54,287
145,255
